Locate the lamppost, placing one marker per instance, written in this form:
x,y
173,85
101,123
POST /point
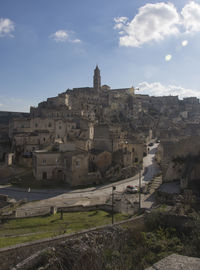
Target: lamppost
x,y
113,189
139,172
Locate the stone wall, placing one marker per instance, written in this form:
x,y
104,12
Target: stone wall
x,y
11,256
170,151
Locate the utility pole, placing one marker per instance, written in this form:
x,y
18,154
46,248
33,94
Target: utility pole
x,y
61,214
139,186
113,188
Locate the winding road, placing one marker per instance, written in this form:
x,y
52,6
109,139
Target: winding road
x,y
41,201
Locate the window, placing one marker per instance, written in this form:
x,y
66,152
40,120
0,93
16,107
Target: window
x,y
78,163
49,125
36,125
44,161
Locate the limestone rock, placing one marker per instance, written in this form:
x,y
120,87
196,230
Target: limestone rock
x,y
177,262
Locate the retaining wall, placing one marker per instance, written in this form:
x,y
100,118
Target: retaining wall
x,y
11,256
28,213
82,208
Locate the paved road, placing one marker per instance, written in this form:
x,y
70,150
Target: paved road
x,y
33,195
87,196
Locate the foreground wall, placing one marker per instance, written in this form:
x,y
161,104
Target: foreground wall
x,y
9,257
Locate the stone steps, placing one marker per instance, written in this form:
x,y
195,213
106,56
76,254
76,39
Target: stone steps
x,y
165,164
154,184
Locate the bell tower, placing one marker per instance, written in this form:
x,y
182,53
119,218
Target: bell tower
x,y
97,79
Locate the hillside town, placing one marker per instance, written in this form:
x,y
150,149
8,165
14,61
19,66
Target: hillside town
x,y
92,135
101,149
99,135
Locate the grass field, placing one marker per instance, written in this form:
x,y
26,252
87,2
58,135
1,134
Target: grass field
x,y
30,229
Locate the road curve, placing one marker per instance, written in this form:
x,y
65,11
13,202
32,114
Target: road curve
x,y
40,200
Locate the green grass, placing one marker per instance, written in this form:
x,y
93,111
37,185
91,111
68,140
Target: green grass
x,y
30,229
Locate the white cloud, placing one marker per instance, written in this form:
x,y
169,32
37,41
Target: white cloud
x,y
121,19
64,36
168,57
6,27
158,89
154,22
191,17
60,36
76,40
184,43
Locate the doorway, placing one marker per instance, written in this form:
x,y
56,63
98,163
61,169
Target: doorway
x,y
44,175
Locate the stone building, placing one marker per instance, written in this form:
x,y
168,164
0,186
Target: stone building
x,y
104,127
70,167
5,143
97,79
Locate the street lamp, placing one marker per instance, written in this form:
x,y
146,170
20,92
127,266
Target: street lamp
x,y
139,171
113,189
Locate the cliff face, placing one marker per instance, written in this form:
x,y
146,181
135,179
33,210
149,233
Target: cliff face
x,y
186,169
180,160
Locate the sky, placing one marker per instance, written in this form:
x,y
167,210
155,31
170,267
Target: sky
x,y
48,46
